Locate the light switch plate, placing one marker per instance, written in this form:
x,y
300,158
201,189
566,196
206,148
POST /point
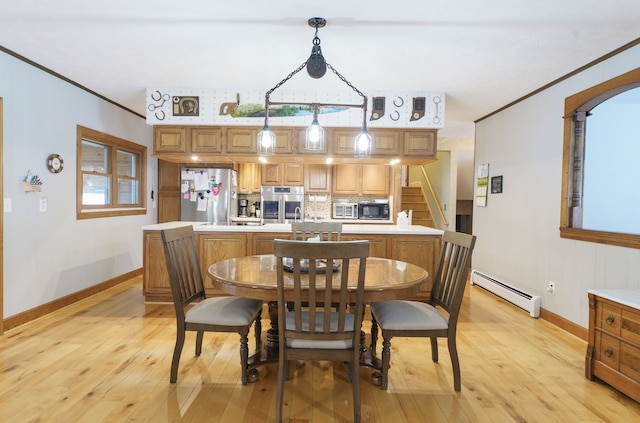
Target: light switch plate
x,y
7,205
43,204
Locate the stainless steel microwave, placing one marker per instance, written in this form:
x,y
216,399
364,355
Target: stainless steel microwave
x,y
379,211
345,210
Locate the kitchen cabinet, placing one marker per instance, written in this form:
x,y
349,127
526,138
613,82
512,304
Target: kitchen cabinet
x,y
300,141
168,195
361,179
317,178
386,142
206,140
613,353
284,174
185,140
238,144
219,244
423,252
242,140
262,243
249,178
214,247
170,139
421,143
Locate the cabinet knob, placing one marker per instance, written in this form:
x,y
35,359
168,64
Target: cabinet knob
x,y
608,352
610,320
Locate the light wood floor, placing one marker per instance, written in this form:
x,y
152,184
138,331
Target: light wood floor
x,y
106,359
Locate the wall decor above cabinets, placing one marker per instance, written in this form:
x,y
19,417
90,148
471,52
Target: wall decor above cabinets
x,y
234,107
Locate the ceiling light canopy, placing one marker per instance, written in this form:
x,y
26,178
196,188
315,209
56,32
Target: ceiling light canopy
x,y
316,68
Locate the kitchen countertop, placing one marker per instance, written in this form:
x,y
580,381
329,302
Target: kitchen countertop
x,y
285,227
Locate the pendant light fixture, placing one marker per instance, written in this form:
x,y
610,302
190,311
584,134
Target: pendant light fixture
x,y
316,68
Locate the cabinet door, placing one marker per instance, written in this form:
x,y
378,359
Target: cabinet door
x,y
249,178
375,180
262,243
421,143
155,279
347,179
206,140
242,140
386,143
168,195
317,178
418,250
293,174
284,140
271,174
342,141
377,243
301,139
214,247
169,139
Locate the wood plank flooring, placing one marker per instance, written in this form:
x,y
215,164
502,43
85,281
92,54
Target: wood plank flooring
x,y
107,359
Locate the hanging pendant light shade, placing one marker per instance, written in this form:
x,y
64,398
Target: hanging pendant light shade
x,y
315,134
362,145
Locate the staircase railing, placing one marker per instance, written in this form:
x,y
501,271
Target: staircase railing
x,y
434,196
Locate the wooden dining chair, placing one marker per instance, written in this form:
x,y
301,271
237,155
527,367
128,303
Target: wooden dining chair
x,y
427,320
219,314
315,332
327,231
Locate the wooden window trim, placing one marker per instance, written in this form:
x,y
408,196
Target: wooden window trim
x,y
576,108
93,212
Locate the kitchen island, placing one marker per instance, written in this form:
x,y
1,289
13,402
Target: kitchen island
x,y
419,245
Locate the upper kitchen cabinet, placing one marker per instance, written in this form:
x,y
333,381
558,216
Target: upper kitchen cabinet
x,y
317,178
386,142
421,143
361,179
342,141
301,140
242,140
206,140
249,178
225,144
170,139
285,174
284,140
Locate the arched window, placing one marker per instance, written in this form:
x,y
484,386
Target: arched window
x,y
600,195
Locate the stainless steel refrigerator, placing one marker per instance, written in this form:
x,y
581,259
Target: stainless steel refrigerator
x,y
208,195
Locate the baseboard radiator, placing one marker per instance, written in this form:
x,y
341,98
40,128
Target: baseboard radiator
x,y
524,300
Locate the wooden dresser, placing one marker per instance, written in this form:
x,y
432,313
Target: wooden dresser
x,y
613,353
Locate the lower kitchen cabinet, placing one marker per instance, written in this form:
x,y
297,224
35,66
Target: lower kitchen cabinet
x,y
214,246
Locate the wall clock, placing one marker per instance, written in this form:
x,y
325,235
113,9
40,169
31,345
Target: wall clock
x,y
55,163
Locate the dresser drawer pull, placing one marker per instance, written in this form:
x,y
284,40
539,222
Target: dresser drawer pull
x,y
610,320
608,352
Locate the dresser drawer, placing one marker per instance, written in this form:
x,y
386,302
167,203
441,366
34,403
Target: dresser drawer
x,y
608,318
630,326
630,361
607,349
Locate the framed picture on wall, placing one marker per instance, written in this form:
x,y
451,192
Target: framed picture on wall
x,y
496,184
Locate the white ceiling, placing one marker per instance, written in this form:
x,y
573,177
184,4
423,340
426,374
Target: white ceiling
x,y
482,54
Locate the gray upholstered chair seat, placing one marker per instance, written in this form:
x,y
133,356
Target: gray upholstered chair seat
x,y
408,315
226,311
315,343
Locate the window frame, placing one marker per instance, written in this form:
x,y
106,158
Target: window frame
x,y
114,144
576,110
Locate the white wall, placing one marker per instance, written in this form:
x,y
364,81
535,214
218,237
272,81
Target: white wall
x,y
518,231
48,255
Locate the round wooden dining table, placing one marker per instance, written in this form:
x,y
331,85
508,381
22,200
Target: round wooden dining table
x,y
255,277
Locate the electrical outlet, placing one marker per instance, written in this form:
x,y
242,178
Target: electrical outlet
x,y
551,289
